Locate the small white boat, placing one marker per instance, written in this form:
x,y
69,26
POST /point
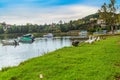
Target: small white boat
x,y
10,42
49,35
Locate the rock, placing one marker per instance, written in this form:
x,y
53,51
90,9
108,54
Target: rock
x,y
75,43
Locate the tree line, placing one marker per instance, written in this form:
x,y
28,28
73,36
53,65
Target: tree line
x,y
46,28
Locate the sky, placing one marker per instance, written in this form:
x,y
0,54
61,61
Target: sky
x,y
47,11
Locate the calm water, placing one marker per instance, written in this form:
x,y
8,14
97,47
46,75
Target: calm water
x,y
12,56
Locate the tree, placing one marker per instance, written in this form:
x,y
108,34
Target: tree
x,y
1,29
108,13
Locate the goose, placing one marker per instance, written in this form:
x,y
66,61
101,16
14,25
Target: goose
x,y
91,39
87,41
98,38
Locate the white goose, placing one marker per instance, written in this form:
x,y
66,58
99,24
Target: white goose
x,y
98,38
92,40
87,41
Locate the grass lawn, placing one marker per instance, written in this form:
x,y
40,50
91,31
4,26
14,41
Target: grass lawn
x,y
97,61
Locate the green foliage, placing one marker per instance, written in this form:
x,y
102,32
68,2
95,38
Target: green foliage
x,y
64,27
1,29
108,13
91,30
97,61
5,69
87,18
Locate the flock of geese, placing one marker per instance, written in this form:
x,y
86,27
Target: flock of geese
x,y
90,40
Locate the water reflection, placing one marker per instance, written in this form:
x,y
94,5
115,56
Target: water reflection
x,y
11,56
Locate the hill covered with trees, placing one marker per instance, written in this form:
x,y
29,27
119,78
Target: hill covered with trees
x,y
88,23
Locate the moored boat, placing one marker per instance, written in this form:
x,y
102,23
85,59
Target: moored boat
x,y
49,35
27,38
9,42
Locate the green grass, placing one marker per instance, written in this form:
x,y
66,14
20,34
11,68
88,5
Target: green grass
x,y
97,61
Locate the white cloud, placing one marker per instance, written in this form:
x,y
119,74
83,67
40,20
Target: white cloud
x,y
46,15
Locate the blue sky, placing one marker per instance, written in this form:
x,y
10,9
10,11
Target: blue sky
x,y
46,11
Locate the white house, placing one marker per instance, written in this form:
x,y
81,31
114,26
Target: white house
x,y
5,26
100,21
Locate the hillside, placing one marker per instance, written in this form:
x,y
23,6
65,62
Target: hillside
x,y
87,18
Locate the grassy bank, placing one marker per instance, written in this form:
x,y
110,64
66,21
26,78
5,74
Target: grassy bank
x,y
97,61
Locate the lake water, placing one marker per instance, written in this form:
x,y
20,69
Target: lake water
x,y
12,56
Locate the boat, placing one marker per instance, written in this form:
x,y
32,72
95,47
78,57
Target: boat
x,y
83,34
49,35
15,43
27,38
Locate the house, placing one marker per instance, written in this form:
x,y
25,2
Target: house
x,y
93,19
5,26
101,22
117,31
